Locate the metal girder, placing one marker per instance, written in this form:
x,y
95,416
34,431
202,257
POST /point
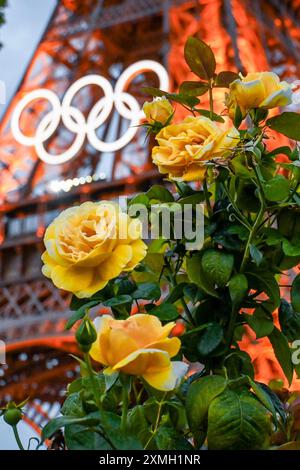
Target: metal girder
x,y
128,11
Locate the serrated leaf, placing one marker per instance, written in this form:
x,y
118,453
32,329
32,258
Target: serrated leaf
x,y
193,88
224,79
196,275
199,396
237,421
209,114
287,123
200,58
217,266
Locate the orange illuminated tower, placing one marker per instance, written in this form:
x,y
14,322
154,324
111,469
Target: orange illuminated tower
x,y
104,38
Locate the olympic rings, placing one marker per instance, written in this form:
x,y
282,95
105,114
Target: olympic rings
x,y
74,120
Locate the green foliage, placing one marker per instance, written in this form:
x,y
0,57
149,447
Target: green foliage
x,y
251,205
238,421
200,58
287,123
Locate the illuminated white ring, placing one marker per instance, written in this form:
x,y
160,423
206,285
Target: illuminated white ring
x,y
72,150
41,93
125,138
75,121
102,82
133,71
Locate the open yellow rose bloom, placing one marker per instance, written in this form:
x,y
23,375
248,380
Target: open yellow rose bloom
x,y
258,90
88,245
184,149
139,346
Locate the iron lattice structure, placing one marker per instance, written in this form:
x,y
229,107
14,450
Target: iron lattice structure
x,y
103,37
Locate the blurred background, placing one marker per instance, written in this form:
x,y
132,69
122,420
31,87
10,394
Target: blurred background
x,y
50,45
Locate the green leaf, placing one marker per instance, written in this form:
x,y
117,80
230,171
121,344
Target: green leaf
x,y
289,321
217,266
260,321
263,397
147,291
238,287
277,188
193,88
185,100
287,123
200,58
290,249
295,293
199,396
118,300
165,312
264,281
237,421
167,438
273,236
111,424
210,339
196,275
238,117
139,199
282,352
256,254
209,114
224,79
79,437
193,198
138,424
159,193
62,421
238,363
110,380
80,313
72,406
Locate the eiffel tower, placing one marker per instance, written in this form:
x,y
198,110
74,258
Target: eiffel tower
x,y
104,38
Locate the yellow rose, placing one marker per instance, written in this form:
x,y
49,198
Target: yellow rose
x,y
88,245
159,110
139,346
258,90
184,149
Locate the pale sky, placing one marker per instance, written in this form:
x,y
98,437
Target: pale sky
x,y
25,23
